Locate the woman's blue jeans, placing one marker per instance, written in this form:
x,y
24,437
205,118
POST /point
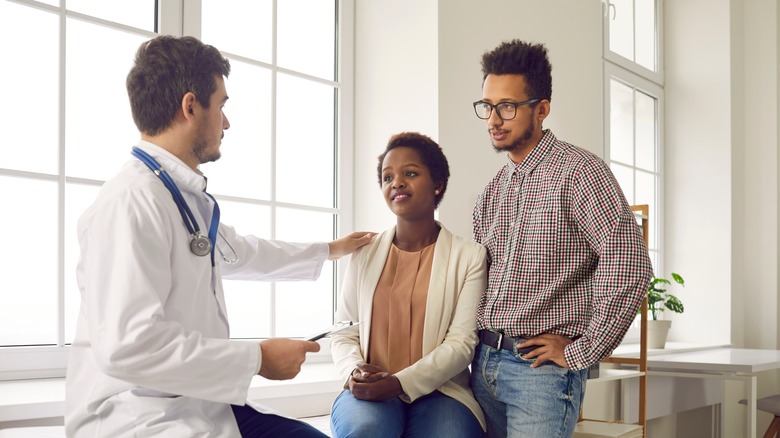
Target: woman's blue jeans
x,y
520,401
434,415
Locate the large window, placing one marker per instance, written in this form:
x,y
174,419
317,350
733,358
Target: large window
x,y
633,84
68,129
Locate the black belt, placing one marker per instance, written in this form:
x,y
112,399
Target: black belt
x,y
501,342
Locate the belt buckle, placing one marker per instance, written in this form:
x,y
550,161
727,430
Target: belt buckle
x,y
500,340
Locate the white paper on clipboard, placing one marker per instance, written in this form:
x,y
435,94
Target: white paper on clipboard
x,y
335,328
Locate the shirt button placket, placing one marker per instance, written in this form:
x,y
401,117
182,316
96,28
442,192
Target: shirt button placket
x,y
518,213
510,246
506,200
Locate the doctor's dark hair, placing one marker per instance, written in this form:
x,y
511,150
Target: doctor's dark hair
x,y
165,69
521,58
431,154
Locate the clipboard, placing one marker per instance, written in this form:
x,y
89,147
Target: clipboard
x,y
335,328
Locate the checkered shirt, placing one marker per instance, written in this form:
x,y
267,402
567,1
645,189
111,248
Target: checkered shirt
x,y
565,253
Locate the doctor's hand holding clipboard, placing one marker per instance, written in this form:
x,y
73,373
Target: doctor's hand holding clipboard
x,y
282,358
335,328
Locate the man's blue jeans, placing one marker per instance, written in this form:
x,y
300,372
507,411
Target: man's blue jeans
x,y
430,416
520,401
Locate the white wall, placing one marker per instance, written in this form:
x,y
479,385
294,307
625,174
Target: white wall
x,y
396,70
698,165
758,171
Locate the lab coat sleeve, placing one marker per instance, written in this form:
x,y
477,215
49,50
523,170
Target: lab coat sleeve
x,y
270,260
455,353
127,258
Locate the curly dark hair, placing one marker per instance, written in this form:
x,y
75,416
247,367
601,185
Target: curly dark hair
x,y
431,154
521,58
165,69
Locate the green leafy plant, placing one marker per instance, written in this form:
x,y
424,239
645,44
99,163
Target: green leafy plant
x,y
658,299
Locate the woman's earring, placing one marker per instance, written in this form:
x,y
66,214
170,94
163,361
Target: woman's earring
x,y
436,192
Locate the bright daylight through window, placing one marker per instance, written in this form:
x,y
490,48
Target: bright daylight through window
x,y
71,129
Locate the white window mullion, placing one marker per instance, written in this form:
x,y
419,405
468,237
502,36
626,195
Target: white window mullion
x,y
61,186
345,133
173,18
274,107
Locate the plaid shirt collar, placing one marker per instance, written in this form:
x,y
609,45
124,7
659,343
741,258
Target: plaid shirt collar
x,y
537,155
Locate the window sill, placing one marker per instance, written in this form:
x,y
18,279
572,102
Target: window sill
x,y
308,394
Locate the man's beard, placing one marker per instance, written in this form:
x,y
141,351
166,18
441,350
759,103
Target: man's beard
x,y
200,151
522,141
203,156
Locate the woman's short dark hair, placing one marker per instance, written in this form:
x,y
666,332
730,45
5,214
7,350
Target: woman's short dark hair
x,y
165,69
431,154
521,58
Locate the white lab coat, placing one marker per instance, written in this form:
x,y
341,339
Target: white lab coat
x,y
151,355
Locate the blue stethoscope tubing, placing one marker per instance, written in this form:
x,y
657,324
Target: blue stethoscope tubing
x,y
198,245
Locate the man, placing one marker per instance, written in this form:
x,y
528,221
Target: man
x,y
568,267
152,355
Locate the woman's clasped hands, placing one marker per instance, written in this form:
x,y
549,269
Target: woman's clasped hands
x,y
373,383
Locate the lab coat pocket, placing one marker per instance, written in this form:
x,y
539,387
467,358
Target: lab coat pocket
x,y
157,414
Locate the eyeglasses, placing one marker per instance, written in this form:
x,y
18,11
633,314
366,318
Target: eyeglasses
x,y
506,110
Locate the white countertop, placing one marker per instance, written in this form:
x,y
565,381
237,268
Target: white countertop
x,y
705,358
736,360
632,350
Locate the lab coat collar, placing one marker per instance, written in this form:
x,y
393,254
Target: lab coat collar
x,y
184,177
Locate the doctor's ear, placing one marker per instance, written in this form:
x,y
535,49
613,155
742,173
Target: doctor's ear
x,y
187,103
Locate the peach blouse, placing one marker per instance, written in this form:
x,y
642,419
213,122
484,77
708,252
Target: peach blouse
x,y
398,312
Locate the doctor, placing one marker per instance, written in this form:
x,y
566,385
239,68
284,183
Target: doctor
x,y
152,355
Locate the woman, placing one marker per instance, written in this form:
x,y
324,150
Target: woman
x,y
415,290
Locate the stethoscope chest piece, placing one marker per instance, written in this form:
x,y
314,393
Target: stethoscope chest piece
x,y
200,245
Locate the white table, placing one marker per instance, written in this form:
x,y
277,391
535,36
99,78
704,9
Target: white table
x,y
720,363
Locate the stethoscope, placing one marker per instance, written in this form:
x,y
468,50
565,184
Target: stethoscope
x,y
200,245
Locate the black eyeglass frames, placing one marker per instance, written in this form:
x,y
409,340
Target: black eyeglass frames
x,y
506,110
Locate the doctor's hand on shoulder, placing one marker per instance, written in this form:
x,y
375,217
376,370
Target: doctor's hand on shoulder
x,y
282,358
348,244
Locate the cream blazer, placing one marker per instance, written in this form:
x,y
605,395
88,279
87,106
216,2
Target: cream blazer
x,y
458,279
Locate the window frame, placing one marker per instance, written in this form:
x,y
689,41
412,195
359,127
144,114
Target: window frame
x,y
654,90
50,361
627,64
651,83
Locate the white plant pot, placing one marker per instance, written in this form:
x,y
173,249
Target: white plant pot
x,y
657,332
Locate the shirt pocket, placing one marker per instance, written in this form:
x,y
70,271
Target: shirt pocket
x,y
539,235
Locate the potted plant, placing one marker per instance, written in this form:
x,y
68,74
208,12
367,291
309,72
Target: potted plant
x,y
658,300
